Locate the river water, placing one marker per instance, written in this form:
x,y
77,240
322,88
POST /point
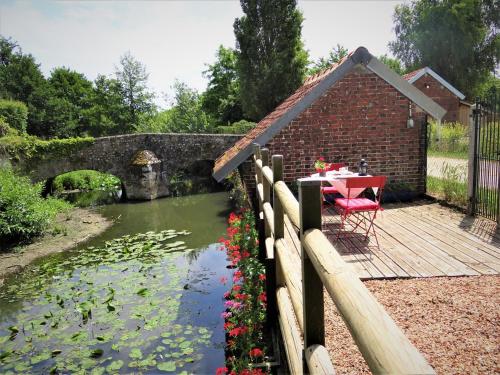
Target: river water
x,y
143,297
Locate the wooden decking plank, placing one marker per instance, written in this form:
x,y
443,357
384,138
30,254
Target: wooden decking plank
x,y
483,249
434,264
470,257
362,253
422,266
490,229
454,227
459,264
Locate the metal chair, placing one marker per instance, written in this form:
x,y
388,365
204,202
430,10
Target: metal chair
x,y
360,211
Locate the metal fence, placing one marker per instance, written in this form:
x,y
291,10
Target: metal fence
x,y
485,195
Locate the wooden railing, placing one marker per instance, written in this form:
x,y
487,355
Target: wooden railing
x,y
295,284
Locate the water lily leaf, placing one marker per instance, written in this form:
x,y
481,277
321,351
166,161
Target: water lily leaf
x,y
56,352
166,366
13,329
115,366
142,292
135,353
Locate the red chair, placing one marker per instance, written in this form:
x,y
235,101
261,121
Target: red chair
x,y
360,211
329,190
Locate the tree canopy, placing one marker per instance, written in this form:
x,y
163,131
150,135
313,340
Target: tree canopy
x,y
271,57
456,38
336,54
221,100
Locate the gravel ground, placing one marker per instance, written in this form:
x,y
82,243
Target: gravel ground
x,y
453,321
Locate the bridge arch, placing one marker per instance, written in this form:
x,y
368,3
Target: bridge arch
x,y
114,155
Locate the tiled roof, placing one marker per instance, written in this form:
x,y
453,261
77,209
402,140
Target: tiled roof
x,y
415,76
263,125
305,95
410,75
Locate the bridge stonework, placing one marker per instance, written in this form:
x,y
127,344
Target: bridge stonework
x,y
114,154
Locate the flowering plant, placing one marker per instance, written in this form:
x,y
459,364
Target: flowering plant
x,y
246,300
320,164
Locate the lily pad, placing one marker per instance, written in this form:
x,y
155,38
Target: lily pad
x,y
166,366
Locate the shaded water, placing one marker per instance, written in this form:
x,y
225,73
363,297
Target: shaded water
x,y
143,297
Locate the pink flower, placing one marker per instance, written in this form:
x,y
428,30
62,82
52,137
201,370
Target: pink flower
x,y
223,280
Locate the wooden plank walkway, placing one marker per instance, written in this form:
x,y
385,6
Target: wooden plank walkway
x,y
421,239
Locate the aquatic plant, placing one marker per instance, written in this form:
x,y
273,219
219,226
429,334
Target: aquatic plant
x,y
107,309
246,300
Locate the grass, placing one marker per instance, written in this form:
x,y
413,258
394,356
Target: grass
x,y
447,154
86,180
453,192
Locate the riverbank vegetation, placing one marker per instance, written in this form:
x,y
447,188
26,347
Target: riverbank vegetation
x,y
85,180
245,304
24,214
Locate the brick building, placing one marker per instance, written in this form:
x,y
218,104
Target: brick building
x,y
356,109
442,92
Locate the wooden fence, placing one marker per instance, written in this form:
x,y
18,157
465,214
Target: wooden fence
x,y
296,297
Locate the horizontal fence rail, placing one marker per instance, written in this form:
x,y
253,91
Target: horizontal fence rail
x,y
295,294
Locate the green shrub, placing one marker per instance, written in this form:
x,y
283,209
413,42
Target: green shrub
x,y
24,214
454,140
32,148
15,113
85,180
240,127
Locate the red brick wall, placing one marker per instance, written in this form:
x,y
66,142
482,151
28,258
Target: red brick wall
x,y
441,95
361,116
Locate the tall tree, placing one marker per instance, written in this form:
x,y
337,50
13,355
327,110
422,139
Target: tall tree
x,y
271,57
21,79
221,100
392,63
108,113
457,38
334,56
133,79
70,94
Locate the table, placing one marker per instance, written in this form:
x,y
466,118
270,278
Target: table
x,y
338,180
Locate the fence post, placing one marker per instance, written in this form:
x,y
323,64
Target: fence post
x,y
312,287
473,162
266,187
279,216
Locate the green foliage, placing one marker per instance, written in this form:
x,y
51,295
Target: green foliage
x,y
35,149
334,56
221,100
15,114
237,194
108,113
86,180
453,141
271,58
69,95
133,78
246,300
240,127
21,79
24,214
452,188
394,64
456,38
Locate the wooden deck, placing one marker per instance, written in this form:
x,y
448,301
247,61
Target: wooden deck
x,y
422,239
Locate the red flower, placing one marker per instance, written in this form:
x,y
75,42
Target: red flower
x,y
228,326
262,297
221,371
262,276
241,296
236,288
256,352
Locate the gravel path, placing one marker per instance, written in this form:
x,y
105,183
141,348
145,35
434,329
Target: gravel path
x,y
454,322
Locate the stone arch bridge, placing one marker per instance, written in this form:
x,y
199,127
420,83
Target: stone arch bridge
x,y
145,163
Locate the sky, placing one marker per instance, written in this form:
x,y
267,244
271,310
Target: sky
x,y
174,39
